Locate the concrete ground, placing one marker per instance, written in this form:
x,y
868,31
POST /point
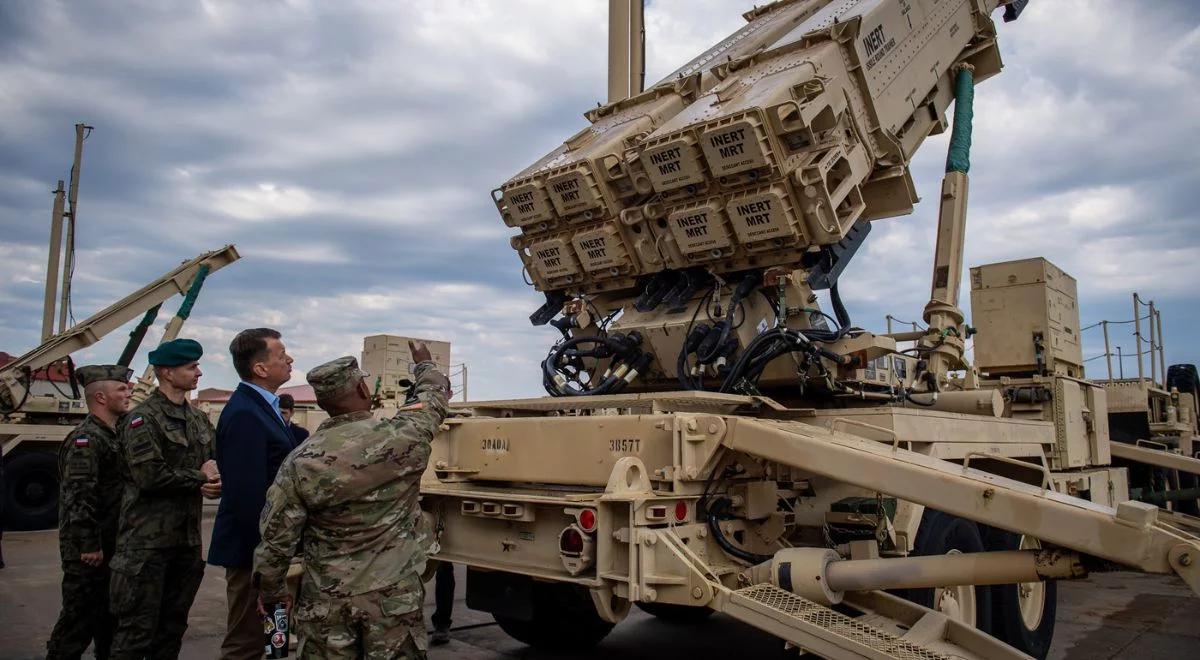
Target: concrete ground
x,y
1114,615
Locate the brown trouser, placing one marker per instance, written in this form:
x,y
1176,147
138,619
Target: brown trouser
x,y
244,636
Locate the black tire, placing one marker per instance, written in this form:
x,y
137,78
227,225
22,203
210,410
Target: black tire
x,y
938,534
1187,480
30,491
1184,377
564,620
1008,625
678,614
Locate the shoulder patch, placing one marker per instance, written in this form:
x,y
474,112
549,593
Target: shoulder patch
x,y
81,442
136,422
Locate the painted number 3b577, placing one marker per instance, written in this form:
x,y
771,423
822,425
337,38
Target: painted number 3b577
x,y
625,445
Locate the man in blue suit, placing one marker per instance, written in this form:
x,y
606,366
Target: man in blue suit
x,y
252,441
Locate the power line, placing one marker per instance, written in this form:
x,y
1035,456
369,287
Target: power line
x,y
1100,323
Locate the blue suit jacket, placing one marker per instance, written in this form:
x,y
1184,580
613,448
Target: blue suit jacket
x,y
252,442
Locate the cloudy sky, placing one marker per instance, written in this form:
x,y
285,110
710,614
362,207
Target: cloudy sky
x,y
348,149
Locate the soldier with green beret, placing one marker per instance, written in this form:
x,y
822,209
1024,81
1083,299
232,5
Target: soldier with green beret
x,y
351,492
89,501
167,447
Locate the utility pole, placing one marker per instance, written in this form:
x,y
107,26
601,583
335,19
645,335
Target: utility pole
x,y
1162,355
1153,350
56,227
464,392
1107,350
1137,332
81,133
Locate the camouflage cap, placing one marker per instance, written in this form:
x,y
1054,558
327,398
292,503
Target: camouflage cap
x,y
335,377
176,352
94,373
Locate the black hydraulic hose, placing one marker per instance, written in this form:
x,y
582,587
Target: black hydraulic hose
x,y
748,284
71,377
774,343
714,525
24,397
839,309
624,348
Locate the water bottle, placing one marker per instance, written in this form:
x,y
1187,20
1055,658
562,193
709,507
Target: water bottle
x,y
275,624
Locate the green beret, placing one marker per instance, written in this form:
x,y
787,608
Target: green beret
x,y
94,373
176,352
335,377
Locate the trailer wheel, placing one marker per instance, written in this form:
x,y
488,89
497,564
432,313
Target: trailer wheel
x,y
564,620
1023,614
1188,481
679,614
30,491
944,534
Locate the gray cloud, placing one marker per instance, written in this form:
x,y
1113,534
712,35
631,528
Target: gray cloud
x,y
349,148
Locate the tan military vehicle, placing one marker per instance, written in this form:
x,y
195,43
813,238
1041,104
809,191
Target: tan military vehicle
x,y
39,402
714,441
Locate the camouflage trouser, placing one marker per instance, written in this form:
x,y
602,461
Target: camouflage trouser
x,y
84,613
152,591
386,625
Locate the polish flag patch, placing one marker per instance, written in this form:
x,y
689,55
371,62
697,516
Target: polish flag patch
x,y
136,422
81,442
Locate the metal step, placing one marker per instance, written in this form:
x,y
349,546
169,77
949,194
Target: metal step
x,y
917,634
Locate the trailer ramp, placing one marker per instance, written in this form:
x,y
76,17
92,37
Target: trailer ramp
x,y
907,632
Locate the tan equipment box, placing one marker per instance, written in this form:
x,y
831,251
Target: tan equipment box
x,y
1027,319
387,357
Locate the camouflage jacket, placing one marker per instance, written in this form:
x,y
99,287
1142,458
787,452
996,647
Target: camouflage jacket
x,y
89,491
351,491
164,445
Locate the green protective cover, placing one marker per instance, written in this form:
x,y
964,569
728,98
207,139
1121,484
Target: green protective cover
x,y
185,309
959,157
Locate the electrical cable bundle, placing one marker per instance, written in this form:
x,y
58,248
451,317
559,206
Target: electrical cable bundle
x,y
775,343
712,345
564,365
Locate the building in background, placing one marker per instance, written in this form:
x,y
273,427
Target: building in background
x,y
211,401
387,359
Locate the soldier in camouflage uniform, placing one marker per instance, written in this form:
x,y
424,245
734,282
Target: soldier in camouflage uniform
x,y
168,451
89,499
351,492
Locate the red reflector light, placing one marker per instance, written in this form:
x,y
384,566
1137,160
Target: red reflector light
x,y
680,511
570,542
587,520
